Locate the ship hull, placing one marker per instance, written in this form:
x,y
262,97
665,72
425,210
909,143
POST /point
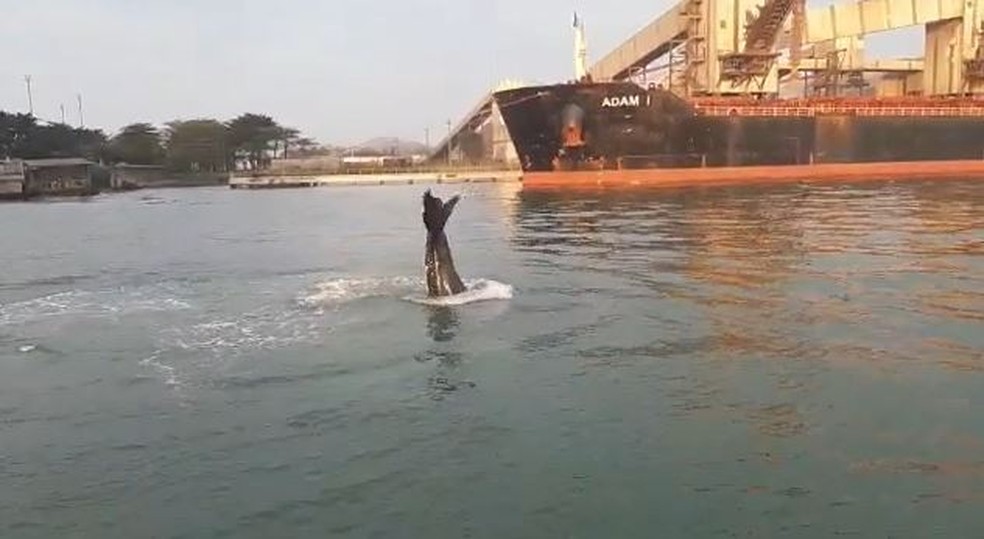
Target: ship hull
x,y
744,175
625,130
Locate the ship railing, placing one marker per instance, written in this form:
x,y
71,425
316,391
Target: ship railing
x,y
845,101
834,110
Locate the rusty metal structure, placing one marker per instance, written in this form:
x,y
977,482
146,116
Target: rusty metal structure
x,y
742,47
974,67
753,64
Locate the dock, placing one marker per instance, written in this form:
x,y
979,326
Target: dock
x,y
402,178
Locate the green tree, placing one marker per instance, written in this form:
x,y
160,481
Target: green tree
x,y
305,146
15,130
91,144
254,137
288,137
137,144
22,137
198,146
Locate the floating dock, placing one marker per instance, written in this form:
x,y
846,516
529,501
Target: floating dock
x,y
406,178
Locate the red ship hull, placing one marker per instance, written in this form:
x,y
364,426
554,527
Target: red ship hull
x,y
717,176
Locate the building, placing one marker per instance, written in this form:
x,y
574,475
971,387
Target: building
x,y
373,162
58,176
11,179
125,176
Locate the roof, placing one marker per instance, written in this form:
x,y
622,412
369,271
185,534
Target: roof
x,y
58,162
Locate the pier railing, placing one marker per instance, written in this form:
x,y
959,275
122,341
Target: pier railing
x,y
814,106
834,110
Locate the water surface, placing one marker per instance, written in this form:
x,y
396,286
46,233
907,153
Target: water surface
x,y
770,361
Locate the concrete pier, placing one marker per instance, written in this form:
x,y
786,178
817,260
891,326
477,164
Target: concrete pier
x,y
405,178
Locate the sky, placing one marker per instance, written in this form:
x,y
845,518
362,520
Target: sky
x,y
341,71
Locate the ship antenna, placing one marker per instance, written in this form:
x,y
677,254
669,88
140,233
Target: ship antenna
x,y
580,50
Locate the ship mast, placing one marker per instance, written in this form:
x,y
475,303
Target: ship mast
x,y
580,50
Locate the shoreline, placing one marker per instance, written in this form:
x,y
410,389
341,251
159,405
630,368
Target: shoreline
x,y
394,178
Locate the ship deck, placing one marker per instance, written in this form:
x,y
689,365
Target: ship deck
x,y
807,107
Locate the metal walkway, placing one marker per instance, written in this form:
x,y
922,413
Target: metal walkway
x,y
823,24
477,116
648,44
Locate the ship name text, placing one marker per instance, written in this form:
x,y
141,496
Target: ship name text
x,y
619,101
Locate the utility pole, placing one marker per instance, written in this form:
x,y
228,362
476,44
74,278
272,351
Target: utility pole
x,y
81,117
427,138
62,107
30,98
449,142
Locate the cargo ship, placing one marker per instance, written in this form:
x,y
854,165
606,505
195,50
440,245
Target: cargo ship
x,y
622,130
621,125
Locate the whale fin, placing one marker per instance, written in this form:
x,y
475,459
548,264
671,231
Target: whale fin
x,y
442,278
436,212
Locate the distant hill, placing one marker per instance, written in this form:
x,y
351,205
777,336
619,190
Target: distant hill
x,y
392,145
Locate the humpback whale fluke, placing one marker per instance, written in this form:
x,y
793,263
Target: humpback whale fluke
x,y
442,279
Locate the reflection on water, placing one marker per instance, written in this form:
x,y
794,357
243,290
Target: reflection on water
x,y
756,306
442,323
790,271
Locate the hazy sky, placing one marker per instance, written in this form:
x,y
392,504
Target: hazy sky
x,y
342,71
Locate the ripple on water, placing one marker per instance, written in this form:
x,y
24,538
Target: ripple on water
x,y
777,357
77,304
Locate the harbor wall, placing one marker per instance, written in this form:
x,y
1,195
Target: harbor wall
x,y
143,177
11,179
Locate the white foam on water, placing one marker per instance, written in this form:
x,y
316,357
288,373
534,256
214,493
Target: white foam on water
x,y
342,290
196,352
100,303
264,329
478,290
339,291
170,378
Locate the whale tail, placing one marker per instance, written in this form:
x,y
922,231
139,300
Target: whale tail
x,y
436,212
442,278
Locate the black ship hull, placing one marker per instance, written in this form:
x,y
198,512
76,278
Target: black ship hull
x,y
622,126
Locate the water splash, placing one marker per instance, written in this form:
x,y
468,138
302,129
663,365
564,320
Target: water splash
x,y
478,290
338,291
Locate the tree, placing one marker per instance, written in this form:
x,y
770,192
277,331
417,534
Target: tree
x,y
137,144
306,146
91,144
288,136
195,145
253,137
22,137
15,130
198,146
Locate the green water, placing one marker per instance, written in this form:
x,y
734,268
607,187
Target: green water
x,y
795,361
